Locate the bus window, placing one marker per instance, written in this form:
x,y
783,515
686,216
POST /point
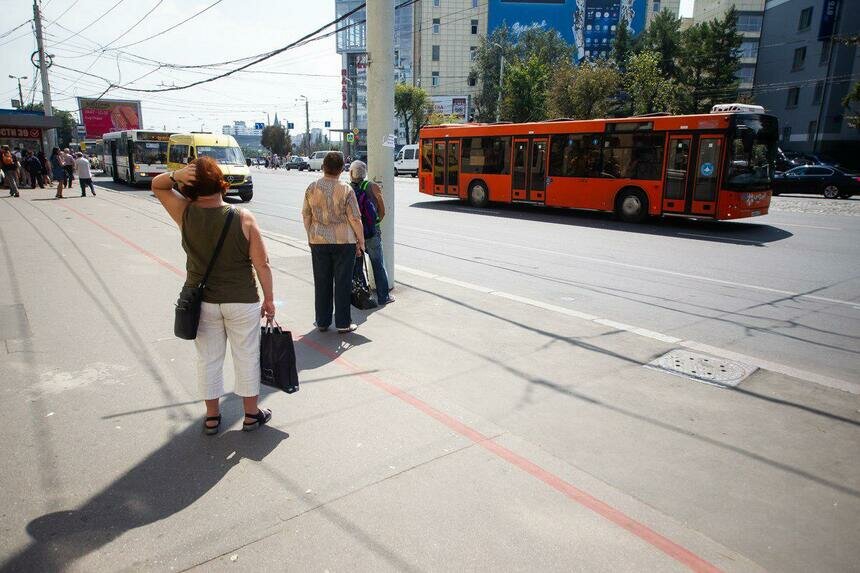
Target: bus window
x,y
519,179
488,155
538,166
676,168
178,153
576,155
634,156
149,152
453,163
426,156
439,164
706,171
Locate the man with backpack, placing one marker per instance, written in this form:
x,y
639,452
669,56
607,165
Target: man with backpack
x,y
372,208
10,165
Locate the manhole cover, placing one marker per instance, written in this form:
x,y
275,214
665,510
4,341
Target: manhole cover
x,y
703,368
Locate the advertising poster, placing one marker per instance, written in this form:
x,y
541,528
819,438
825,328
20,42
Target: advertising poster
x,y
106,115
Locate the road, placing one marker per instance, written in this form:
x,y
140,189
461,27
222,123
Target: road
x,y
784,288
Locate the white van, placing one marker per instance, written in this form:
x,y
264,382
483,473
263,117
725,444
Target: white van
x,y
316,160
407,160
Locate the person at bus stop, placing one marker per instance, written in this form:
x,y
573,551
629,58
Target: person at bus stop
x,y
333,224
231,308
366,190
58,171
69,166
34,168
9,163
85,177
46,173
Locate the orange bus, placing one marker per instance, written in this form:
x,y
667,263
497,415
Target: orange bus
x,y
714,166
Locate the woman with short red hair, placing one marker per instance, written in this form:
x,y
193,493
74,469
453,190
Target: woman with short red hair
x,y
231,309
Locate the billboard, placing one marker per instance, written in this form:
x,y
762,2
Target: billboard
x,y
101,116
589,25
451,105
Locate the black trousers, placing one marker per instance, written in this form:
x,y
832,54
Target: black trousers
x,y
70,174
35,178
333,266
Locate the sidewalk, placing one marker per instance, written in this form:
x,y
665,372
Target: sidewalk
x,y
452,431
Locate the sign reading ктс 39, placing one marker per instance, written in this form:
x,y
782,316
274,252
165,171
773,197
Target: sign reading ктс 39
x,y
101,116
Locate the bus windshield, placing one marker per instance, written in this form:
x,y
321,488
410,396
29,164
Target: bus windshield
x,y
223,155
751,153
150,152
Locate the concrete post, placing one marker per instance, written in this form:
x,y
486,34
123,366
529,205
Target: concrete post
x,y
380,114
51,134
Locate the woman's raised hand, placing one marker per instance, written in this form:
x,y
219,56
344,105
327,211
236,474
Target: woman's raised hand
x,y
186,176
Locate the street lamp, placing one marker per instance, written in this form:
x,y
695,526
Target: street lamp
x,y
501,77
20,93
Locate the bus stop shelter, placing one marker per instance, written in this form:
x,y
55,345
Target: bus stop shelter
x,y
26,129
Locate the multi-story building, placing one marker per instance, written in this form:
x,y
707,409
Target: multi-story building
x,y
352,46
750,13
248,137
446,41
803,75
657,6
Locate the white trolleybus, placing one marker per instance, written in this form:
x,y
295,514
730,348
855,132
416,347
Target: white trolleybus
x,y
135,156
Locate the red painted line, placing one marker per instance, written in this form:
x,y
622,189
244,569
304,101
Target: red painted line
x,y
667,546
643,532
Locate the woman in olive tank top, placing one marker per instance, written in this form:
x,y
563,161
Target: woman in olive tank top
x,y
231,309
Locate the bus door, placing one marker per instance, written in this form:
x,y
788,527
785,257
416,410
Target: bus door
x,y
692,170
529,170
446,167
113,164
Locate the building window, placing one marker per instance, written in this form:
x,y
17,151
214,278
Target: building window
x,y
748,49
786,133
435,54
437,3
436,25
810,133
474,3
434,79
745,74
805,19
749,23
656,6
474,27
793,97
799,59
472,81
473,53
825,53
816,96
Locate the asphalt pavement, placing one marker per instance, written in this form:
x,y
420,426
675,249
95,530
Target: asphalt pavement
x,y
501,415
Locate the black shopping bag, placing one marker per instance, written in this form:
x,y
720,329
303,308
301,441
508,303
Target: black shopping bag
x,y
278,359
360,297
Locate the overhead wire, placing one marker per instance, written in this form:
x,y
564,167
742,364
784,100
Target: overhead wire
x,y
210,6
109,10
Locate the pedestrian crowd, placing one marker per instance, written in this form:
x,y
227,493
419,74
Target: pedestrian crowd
x,y
22,168
227,259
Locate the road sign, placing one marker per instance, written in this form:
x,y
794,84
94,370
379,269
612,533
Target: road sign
x,y
81,131
16,103
290,125
327,124
350,138
355,131
259,125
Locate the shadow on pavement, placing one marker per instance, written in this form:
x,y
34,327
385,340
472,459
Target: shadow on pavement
x,y
756,234
163,484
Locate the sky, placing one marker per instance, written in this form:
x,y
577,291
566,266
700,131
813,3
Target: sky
x,y
231,29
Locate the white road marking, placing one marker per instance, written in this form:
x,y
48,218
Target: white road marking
x,y
718,238
638,267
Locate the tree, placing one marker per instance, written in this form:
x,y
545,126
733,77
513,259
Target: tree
x,y
525,91
650,91
853,116
586,91
411,105
485,71
545,44
622,47
276,140
663,36
67,132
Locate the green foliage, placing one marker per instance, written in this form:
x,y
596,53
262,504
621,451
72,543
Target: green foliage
x,y
623,46
545,45
650,91
853,115
587,91
525,91
485,71
67,132
276,139
411,104
662,36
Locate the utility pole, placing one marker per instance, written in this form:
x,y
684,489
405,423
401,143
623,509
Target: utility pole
x,y
48,109
380,105
20,93
307,127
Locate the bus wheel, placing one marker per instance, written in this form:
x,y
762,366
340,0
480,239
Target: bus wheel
x,y
831,192
478,194
631,206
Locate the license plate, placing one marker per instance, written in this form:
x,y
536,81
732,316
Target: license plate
x,y
754,213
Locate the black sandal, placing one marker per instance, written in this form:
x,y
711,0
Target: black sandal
x,y
262,416
211,430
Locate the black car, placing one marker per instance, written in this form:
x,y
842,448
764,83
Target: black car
x,y
296,162
831,182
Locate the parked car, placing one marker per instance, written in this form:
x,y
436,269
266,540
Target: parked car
x,y
786,160
831,182
407,160
316,160
297,162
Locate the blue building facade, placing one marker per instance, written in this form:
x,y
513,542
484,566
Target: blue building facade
x,y
589,25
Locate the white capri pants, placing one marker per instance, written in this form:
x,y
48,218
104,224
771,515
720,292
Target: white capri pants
x,y
240,323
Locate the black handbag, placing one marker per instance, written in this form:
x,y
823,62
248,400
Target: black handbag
x,y
278,358
360,297
187,315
